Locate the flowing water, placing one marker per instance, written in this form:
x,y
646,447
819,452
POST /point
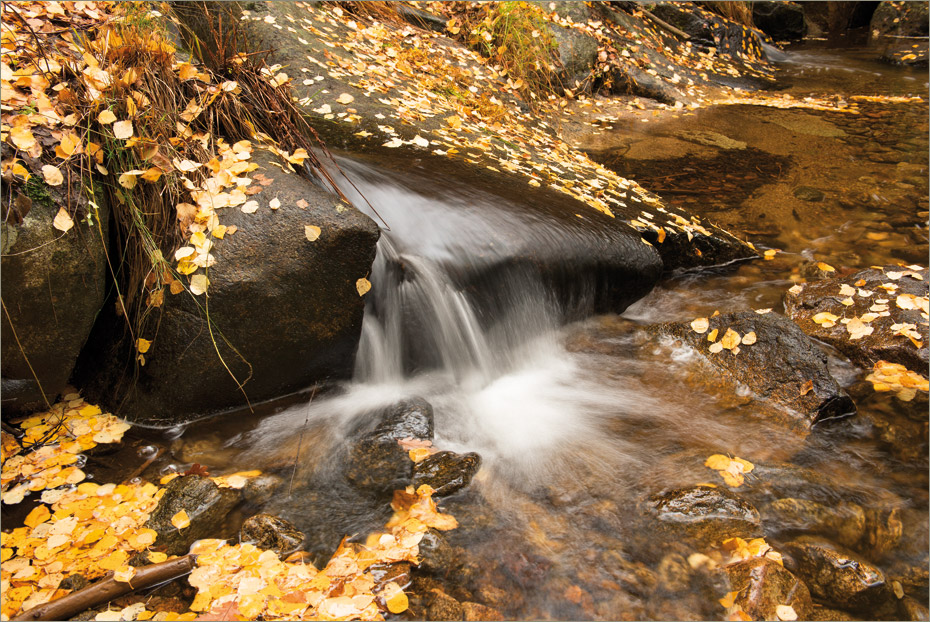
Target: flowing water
x,y
578,425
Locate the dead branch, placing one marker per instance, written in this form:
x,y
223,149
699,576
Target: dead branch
x,y
107,589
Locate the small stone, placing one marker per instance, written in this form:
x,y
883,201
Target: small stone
x,y
708,514
446,472
806,193
273,533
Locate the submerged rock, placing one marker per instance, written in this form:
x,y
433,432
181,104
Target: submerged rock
x,y
446,472
375,462
837,576
873,292
206,505
773,358
844,522
763,584
284,313
707,514
273,533
53,288
807,193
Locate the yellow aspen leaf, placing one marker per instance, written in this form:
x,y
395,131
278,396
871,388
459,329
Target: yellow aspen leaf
x,y
700,325
661,233
786,613
22,138
730,339
825,267
275,203
728,600
345,98
419,453
39,514
394,598
156,558
143,345
180,520
199,284
749,338
124,574
715,348
153,174
20,170
106,117
52,175
62,220
825,319
312,232
770,254
717,462
807,387
712,335
123,129
363,285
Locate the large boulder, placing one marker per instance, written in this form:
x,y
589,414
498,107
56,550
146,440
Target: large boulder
x,y
54,285
774,359
281,312
901,19
577,51
881,298
780,20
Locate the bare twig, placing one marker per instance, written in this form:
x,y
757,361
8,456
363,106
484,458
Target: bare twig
x,y
300,441
107,589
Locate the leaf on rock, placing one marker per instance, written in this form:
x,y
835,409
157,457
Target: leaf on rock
x,y
786,613
362,285
52,175
62,220
700,325
312,232
180,520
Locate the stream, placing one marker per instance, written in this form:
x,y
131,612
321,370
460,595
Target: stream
x,y
578,424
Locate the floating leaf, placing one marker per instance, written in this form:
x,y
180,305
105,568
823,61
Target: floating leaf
x,y
394,142
62,220
394,598
419,141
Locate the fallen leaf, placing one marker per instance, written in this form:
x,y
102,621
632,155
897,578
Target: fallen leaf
x,y
199,284
52,175
180,520
825,267
312,232
700,325
345,98
786,612
62,220
249,207
143,345
106,117
749,338
123,129
275,203
362,285
730,339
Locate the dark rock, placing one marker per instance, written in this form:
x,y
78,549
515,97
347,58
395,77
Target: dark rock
x,y
206,505
842,521
839,577
707,514
826,614
783,21
806,193
630,80
375,462
288,306
438,557
782,366
441,606
763,584
907,19
882,344
577,51
476,611
53,288
270,532
446,472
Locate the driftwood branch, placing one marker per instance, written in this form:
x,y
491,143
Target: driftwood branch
x,y
661,23
107,589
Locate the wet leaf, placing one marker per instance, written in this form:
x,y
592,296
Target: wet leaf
x,y
730,339
363,285
180,520
700,325
825,319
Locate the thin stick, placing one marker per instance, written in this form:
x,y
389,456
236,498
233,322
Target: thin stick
x,y
107,589
300,440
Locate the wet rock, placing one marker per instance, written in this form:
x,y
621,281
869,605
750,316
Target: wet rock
x,y
882,343
206,505
909,19
446,472
911,609
272,533
783,365
441,606
883,529
806,193
288,312
826,614
674,573
494,596
843,522
707,514
476,611
375,462
259,490
763,584
838,576
783,21
438,557
54,286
